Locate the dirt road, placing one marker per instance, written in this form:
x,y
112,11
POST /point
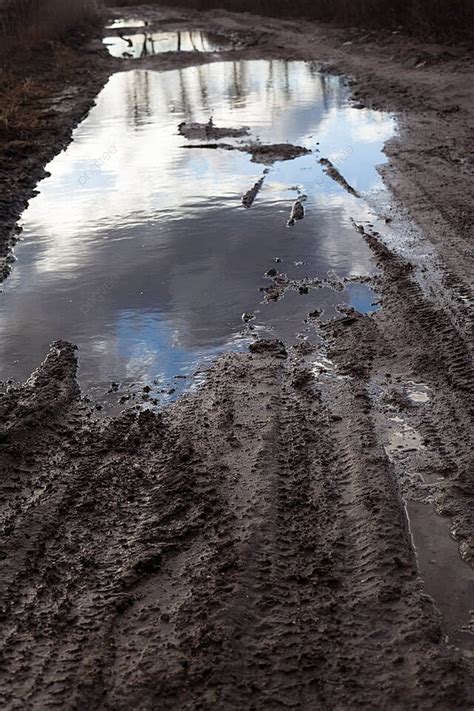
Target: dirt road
x,y
248,546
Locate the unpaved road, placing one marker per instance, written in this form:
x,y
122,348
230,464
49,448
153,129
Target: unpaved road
x,y
247,547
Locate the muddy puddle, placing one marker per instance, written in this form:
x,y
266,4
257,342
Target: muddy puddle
x,y
133,45
140,250
446,577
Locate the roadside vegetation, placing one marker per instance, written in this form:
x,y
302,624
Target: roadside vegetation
x,y
35,63
444,20
30,21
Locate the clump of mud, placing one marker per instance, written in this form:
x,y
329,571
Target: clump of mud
x,y
333,173
271,346
267,154
281,283
333,281
208,131
273,152
249,197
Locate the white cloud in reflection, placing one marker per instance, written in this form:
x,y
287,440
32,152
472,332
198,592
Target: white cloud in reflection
x,y
126,158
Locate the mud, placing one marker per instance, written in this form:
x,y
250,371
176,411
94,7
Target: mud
x,y
261,153
249,197
297,213
281,284
248,547
209,131
256,551
333,173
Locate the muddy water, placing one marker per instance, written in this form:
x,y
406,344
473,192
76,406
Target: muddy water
x,y
140,251
136,45
447,578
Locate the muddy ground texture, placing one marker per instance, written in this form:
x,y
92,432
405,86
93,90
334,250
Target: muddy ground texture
x,y
247,547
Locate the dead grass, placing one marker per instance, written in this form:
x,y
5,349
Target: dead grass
x,y
26,22
15,95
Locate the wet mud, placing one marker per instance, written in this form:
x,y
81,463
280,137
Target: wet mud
x,y
333,173
297,213
261,153
249,197
264,540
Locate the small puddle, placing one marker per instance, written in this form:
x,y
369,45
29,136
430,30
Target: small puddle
x,y
141,252
419,393
447,578
145,44
402,439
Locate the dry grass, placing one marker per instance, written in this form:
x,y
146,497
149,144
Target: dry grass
x,y
15,94
26,22
446,20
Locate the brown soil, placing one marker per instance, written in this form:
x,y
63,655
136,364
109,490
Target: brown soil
x,y
247,547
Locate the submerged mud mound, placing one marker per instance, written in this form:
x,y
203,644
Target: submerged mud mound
x,y
239,549
267,154
209,131
297,213
271,153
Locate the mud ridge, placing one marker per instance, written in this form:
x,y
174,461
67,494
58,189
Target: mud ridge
x,y
248,198
333,173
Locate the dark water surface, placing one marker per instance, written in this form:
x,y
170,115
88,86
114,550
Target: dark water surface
x,y
140,251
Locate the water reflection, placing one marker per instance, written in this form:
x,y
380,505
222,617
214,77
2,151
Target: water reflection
x,y
141,253
134,46
122,22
